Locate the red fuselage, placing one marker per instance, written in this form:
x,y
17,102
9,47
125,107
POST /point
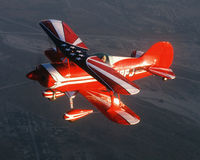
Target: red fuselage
x,y
66,77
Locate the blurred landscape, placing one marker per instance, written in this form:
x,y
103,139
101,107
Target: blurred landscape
x,y
32,128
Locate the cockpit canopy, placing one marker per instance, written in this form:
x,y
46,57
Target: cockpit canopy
x,y
103,56
108,59
136,53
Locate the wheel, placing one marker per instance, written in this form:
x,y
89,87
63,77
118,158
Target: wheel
x,y
51,99
164,79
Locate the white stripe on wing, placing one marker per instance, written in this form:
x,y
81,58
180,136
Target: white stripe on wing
x,y
120,82
128,117
59,28
58,77
77,41
74,82
53,72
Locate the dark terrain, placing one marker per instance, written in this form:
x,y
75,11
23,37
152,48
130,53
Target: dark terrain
x,y
32,128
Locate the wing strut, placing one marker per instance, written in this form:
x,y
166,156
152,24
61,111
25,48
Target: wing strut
x,y
71,103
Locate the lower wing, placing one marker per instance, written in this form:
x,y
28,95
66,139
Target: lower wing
x,y
111,106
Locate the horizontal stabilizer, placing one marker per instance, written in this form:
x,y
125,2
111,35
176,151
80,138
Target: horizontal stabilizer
x,y
163,72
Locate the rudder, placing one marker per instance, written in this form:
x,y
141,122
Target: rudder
x,y
160,58
160,55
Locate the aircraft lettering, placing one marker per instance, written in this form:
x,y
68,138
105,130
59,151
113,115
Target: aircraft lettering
x,y
127,72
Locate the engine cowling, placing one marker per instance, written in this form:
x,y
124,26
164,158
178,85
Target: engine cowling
x,y
41,75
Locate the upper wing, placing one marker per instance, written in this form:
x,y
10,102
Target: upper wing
x,y
111,107
60,32
63,32
93,65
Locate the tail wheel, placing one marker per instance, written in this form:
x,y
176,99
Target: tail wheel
x,y
164,79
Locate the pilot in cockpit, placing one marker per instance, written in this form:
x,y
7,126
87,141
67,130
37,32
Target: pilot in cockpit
x,y
104,59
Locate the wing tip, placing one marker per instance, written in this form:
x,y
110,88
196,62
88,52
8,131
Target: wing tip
x,y
62,32
135,91
135,122
129,117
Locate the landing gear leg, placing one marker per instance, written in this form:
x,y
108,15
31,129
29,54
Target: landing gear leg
x,y
74,114
71,102
71,95
53,98
115,101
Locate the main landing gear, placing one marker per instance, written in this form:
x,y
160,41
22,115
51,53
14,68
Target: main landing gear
x,y
54,97
115,99
75,114
164,79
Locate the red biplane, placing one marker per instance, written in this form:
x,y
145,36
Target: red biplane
x,y
100,77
